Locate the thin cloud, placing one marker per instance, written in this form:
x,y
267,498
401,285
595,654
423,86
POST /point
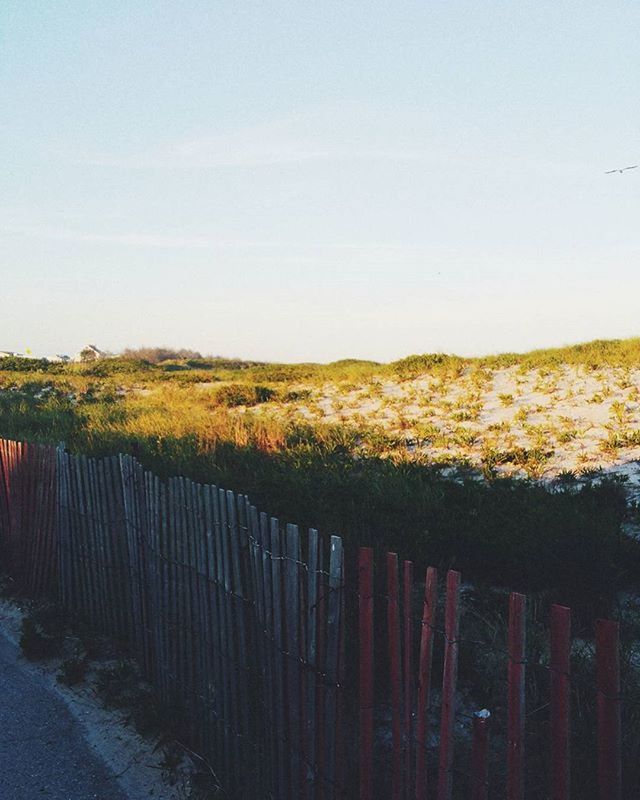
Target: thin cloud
x,y
128,239
311,136
338,135
203,155
202,242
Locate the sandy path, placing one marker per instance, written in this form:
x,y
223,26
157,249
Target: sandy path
x,y
43,750
60,743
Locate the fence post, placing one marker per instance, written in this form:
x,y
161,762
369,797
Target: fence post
x,y
395,673
609,711
365,608
424,678
515,713
560,700
449,679
479,763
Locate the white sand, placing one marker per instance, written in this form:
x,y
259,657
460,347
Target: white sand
x,y
567,414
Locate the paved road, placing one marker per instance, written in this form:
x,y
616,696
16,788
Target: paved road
x,y
43,755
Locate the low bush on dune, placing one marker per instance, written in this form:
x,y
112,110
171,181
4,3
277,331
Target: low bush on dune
x,y
18,364
240,394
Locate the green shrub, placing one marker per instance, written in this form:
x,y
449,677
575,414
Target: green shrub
x,y
122,686
17,364
72,670
114,366
297,395
42,632
243,394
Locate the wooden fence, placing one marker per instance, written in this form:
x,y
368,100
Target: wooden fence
x,y
298,676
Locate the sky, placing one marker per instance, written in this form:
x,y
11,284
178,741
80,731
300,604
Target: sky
x,y
313,181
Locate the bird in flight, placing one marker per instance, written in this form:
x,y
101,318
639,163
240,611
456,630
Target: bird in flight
x,y
624,169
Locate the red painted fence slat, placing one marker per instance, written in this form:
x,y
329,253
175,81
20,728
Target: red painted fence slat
x,y
395,673
609,709
560,701
365,609
515,694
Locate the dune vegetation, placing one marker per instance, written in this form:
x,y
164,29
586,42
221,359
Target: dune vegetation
x,y
514,468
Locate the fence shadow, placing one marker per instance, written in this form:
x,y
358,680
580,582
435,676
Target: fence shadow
x,y
304,671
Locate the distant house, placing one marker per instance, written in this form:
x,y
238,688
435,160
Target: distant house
x,y
88,354
59,359
11,354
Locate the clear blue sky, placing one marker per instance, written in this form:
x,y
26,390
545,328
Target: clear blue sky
x,y
297,180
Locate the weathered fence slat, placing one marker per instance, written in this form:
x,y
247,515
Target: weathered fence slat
x,y
278,651
270,702
98,555
191,609
311,704
205,610
449,681
224,686
238,638
257,645
332,667
85,596
424,678
214,664
132,533
30,520
109,576
91,527
159,501
63,524
407,590
173,605
75,545
119,542
33,545
186,625
294,654
154,578
234,685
